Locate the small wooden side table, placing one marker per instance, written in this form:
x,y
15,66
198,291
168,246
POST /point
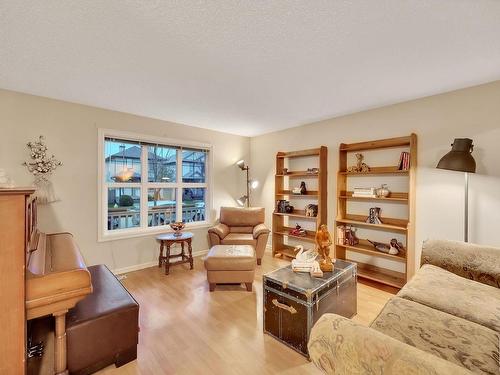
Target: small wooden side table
x,y
167,240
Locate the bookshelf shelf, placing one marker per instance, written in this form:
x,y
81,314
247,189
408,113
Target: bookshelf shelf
x,y
281,227
394,197
296,174
404,227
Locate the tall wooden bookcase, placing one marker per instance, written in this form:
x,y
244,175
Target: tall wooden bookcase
x,y
281,230
405,227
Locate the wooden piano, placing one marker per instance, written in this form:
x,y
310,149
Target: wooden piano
x,y
40,274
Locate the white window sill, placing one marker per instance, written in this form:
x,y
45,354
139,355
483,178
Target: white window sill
x,y
121,234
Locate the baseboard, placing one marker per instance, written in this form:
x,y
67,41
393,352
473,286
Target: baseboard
x,y
137,267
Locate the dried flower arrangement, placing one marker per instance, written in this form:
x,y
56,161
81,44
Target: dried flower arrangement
x,y
42,166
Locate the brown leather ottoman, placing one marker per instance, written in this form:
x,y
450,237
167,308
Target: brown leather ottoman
x,y
228,264
103,328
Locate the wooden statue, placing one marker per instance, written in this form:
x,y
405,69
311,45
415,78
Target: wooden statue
x,y
360,166
323,243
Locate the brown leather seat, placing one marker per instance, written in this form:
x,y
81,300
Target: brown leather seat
x,y
241,226
103,328
227,264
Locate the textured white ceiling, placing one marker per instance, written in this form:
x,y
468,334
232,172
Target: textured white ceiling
x,y
246,67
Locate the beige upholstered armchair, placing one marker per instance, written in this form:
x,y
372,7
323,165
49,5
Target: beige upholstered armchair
x,y
241,226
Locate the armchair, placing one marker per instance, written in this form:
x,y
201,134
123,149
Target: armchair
x,y
241,226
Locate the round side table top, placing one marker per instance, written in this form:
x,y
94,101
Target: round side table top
x,y
171,237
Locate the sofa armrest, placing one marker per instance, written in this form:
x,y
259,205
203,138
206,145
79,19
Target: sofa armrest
x,y
222,230
259,229
340,346
475,262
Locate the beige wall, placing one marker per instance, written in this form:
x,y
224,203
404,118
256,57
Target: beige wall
x,y
472,112
71,134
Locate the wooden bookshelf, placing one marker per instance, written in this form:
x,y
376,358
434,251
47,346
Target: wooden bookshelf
x,y
281,229
405,227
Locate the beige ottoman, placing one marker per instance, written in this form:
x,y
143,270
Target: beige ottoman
x,y
229,264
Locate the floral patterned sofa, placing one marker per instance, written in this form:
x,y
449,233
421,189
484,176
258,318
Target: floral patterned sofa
x,y
445,320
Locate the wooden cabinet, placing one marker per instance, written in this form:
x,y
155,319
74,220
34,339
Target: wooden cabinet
x,y
15,225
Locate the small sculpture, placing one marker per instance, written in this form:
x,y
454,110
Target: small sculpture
x,y
350,237
383,191
298,231
393,248
360,166
311,210
305,261
303,189
312,170
374,216
323,243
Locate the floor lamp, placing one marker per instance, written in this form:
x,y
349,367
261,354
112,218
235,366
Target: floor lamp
x,y
460,159
250,184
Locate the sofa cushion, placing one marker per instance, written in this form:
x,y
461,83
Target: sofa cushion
x,y
451,338
445,291
239,239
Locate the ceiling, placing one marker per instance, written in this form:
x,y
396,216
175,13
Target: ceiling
x,y
246,67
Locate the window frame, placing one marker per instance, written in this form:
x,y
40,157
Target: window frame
x,y
143,230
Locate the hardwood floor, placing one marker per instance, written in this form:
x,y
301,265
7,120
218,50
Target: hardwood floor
x,y
185,329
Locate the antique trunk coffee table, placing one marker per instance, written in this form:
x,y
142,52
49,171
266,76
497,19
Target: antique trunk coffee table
x,y
294,301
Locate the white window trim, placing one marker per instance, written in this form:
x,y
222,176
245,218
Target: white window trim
x,y
102,232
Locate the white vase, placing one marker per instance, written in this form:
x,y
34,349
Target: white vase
x,y
44,189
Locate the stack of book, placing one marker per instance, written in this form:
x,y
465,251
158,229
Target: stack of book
x,y
364,193
404,161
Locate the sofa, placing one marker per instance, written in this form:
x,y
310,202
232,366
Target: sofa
x,y
241,226
445,320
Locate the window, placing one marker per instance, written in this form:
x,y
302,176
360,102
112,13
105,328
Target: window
x,y
146,184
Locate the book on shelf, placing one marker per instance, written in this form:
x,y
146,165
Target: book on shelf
x,y
404,161
364,192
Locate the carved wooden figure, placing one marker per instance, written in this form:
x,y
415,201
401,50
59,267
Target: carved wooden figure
x,y
323,243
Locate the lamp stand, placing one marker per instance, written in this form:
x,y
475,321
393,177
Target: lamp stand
x,y
248,188
466,211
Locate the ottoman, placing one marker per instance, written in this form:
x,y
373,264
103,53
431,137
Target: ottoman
x,y
103,328
230,264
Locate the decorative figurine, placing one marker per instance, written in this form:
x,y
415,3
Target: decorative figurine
x,y
303,189
312,170
305,261
374,217
394,248
360,166
298,231
383,191
323,243
350,237
311,210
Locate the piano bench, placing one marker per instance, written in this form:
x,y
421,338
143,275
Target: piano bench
x,y
103,328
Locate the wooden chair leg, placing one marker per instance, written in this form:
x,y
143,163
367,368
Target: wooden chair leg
x,y
211,286
249,286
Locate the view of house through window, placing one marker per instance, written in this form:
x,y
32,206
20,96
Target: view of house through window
x,y
150,185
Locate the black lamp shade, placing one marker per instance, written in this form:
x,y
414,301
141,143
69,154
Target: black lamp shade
x,y
460,157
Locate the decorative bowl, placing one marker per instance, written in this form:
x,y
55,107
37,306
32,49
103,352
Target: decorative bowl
x,y
177,227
